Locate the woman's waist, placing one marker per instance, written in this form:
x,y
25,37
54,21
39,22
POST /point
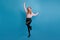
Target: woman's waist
x,y
28,18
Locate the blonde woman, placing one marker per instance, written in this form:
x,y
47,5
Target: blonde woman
x,y
29,15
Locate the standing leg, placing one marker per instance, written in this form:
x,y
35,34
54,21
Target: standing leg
x,y
28,22
28,30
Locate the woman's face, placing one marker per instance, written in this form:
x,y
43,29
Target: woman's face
x,y
29,8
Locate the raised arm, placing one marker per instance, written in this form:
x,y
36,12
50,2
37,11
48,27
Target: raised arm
x,y
25,7
35,14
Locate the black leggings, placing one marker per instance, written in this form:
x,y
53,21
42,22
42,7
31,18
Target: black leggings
x,y
28,22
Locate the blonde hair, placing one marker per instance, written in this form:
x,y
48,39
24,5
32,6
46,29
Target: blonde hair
x,y
28,11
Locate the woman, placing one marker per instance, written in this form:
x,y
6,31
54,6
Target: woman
x,y
29,15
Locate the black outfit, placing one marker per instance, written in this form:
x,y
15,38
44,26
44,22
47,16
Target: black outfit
x,y
28,22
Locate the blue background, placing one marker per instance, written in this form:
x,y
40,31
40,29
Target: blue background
x,y
46,26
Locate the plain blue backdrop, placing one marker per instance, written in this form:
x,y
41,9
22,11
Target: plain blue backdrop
x,y
45,26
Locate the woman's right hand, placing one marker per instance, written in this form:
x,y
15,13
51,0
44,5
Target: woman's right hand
x,y
25,7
